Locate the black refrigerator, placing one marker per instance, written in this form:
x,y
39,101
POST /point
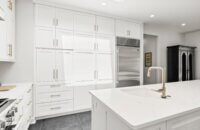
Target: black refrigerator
x,y
180,63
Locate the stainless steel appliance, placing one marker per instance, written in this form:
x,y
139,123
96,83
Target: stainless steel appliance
x,y
7,113
128,62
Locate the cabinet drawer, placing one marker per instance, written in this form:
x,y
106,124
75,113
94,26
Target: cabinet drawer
x,y
52,97
54,108
52,88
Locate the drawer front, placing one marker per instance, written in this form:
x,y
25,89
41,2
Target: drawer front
x,y
52,88
53,97
53,108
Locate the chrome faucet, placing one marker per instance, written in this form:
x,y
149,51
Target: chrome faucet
x,y
163,89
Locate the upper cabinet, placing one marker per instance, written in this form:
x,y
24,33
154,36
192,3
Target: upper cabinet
x,y
105,25
45,16
128,29
7,34
84,23
64,19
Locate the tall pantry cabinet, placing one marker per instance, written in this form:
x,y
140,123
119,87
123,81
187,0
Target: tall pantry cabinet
x,y
74,54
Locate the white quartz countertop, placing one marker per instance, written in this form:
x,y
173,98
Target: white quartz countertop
x,y
17,92
140,106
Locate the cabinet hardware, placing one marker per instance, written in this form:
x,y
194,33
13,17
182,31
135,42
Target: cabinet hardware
x,y
29,90
55,22
55,108
52,96
29,103
55,86
10,4
97,28
54,74
9,49
57,74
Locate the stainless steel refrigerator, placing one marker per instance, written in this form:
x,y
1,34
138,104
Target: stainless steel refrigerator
x,y
128,62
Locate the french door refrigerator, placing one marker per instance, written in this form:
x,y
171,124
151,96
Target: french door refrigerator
x,y
128,62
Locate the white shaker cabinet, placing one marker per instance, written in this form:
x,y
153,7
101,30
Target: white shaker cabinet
x,y
128,29
105,25
64,19
84,23
104,67
45,37
104,43
45,65
83,67
3,44
45,16
187,122
84,42
65,39
82,97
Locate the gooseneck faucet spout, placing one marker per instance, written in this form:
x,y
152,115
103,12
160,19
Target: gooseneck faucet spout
x,y
163,89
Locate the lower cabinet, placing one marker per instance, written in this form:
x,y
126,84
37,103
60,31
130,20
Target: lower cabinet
x,y
82,97
187,122
24,114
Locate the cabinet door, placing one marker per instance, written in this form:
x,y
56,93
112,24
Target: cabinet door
x,y
188,122
122,28
135,30
105,25
82,97
64,66
84,43
45,37
65,39
3,44
104,67
65,19
105,43
45,16
83,67
84,23
98,115
45,65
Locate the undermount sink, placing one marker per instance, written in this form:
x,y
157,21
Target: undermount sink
x,y
142,92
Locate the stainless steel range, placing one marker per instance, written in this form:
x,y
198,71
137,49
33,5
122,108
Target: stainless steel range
x,y
7,113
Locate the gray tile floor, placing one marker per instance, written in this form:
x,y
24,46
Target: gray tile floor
x,y
81,121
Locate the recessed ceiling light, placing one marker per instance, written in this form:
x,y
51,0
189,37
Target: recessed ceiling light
x,y
118,0
183,24
103,4
152,16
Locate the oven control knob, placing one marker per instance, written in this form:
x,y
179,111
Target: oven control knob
x,y
2,125
10,113
15,109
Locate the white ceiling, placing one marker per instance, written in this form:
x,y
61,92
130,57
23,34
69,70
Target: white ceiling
x,y
167,12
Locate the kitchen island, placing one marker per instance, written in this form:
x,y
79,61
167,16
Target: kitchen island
x,y
142,108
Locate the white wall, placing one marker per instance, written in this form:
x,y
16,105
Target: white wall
x,y
167,36
150,45
193,39
22,70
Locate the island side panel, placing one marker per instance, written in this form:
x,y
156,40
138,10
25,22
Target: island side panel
x,y
104,119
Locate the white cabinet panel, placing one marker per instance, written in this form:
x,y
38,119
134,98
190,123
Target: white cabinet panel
x,y
59,55
84,43
128,29
104,67
105,25
104,43
45,37
83,67
68,62
45,16
65,19
45,65
82,97
65,39
98,115
188,122
84,23
3,44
